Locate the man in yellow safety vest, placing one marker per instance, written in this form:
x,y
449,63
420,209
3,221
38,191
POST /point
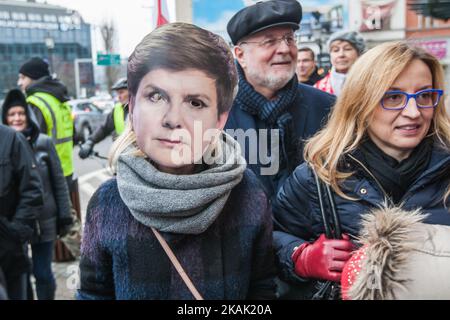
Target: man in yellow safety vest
x,y
48,98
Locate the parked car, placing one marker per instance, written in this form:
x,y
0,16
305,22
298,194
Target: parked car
x,y
104,103
87,118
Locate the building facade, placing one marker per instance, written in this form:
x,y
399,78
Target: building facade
x,y
54,33
431,34
320,19
392,20
378,20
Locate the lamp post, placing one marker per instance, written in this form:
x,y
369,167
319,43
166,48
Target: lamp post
x,y
317,33
321,31
50,44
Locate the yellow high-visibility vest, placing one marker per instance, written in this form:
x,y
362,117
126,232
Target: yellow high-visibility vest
x,y
58,118
119,118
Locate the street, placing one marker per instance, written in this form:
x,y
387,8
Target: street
x,y
91,172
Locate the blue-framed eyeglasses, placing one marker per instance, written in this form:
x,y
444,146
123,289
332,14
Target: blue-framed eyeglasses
x,y
398,100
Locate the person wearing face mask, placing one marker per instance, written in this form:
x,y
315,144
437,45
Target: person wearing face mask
x,y
387,142
183,218
55,217
345,47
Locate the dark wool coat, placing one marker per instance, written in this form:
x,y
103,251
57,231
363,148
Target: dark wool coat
x,y
20,200
309,112
56,208
232,259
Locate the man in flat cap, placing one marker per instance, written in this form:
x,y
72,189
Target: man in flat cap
x,y
269,95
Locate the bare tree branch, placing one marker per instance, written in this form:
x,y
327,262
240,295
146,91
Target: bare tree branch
x,y
108,31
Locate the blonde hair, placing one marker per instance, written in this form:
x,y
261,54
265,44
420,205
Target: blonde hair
x,y
370,77
126,141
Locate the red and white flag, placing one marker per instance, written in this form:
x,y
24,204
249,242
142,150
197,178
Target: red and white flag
x,y
162,14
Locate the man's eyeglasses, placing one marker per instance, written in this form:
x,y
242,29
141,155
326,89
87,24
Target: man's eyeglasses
x,y
272,43
398,100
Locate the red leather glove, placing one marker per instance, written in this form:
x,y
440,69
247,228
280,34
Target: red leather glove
x,y
323,259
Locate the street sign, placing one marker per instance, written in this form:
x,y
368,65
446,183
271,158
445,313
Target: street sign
x,y
108,59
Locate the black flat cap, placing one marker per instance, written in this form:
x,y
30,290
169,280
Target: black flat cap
x,y
263,15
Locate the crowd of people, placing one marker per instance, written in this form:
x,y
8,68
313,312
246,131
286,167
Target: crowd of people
x,y
243,173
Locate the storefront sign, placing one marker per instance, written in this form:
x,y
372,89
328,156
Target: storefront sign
x,y
438,48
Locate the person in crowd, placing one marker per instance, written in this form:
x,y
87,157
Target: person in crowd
x,y
171,207
270,99
345,48
114,123
55,218
387,142
20,204
307,70
48,98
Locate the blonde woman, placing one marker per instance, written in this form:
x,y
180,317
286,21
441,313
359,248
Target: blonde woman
x,y
169,199
387,141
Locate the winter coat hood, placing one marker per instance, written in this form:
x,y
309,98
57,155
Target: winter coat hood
x,y
15,97
397,254
51,86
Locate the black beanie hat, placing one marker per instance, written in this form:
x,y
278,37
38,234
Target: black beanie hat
x,y
35,68
13,98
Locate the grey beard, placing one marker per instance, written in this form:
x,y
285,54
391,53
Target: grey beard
x,y
274,83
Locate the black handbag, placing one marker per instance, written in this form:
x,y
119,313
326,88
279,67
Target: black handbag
x,y
327,290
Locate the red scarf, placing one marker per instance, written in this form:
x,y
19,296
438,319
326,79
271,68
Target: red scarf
x,y
325,84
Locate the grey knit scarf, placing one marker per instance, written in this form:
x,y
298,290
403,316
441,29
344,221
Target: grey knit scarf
x,y
184,204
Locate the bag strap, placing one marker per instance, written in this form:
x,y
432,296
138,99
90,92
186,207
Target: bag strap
x,y
328,289
334,215
330,233
177,265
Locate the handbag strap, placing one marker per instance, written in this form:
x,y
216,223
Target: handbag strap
x,y
328,289
177,265
326,224
330,233
334,214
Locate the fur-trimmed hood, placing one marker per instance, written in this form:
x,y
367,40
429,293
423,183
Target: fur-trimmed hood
x,y
401,258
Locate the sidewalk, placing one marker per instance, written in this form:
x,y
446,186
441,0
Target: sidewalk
x,y
67,273
67,279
